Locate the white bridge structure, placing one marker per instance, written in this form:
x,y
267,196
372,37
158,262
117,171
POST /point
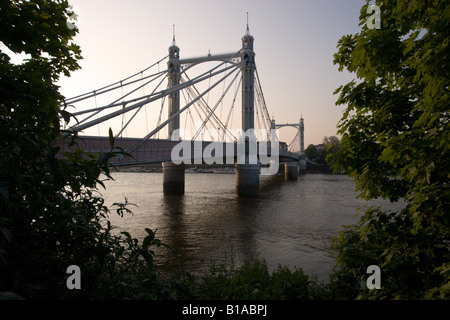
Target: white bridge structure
x,y
188,118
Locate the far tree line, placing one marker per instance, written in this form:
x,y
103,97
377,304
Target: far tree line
x,y
317,154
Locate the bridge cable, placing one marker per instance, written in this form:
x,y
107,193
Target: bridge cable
x,y
294,140
187,99
148,136
96,92
124,114
191,96
231,113
145,108
259,87
161,110
206,109
221,107
112,104
261,118
259,122
98,126
203,105
150,98
139,109
218,102
115,83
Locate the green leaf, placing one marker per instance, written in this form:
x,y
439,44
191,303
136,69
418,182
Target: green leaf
x,y
111,139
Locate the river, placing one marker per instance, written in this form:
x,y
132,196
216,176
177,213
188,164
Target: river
x,y
291,223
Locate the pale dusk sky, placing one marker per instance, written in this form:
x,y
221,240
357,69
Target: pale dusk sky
x,y
294,45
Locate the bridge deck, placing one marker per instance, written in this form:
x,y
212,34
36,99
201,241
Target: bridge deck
x,y
160,150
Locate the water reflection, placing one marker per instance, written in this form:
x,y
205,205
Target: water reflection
x,y
172,205
290,223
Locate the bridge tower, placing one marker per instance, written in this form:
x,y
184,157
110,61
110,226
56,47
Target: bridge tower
x,y
302,160
173,175
301,130
247,174
248,80
174,75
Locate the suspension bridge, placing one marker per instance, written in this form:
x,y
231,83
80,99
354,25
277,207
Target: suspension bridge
x,y
194,100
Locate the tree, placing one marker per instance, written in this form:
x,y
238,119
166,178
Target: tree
x,y
51,214
395,144
331,144
311,152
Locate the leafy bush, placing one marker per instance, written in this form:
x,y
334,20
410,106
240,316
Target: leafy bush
x,y
52,213
395,132
253,281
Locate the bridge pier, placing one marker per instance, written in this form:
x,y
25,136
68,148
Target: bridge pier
x,y
290,171
173,178
302,165
247,179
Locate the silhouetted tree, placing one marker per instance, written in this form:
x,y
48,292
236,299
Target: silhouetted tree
x,y
395,144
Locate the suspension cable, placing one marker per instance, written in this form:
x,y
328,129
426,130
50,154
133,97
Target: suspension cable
x,y
201,103
149,98
217,104
234,101
115,104
207,110
148,136
115,83
137,111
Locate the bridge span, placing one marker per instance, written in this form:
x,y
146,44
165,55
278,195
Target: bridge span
x,y
251,157
175,155
160,150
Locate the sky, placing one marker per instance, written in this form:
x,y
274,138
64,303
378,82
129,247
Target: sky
x,y
294,42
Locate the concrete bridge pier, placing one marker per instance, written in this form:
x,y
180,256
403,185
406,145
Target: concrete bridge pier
x,y
290,171
173,178
302,165
247,179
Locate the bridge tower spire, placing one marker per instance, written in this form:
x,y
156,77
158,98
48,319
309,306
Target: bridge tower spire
x,y
302,157
173,175
247,171
301,130
174,75
248,80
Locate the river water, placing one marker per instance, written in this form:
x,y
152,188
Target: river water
x,y
291,223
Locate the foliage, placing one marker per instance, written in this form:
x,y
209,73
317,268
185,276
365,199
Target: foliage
x,y
311,152
323,155
331,147
395,132
252,281
395,135
52,214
